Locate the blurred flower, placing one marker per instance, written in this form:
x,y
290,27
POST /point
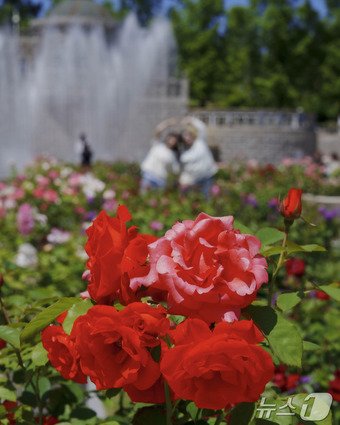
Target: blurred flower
x,y
285,381
58,236
26,256
320,295
25,219
156,225
329,214
3,343
251,200
110,205
273,203
109,194
295,267
215,190
334,386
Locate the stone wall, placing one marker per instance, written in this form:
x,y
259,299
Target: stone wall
x,y
267,137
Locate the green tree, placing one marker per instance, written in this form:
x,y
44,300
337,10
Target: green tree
x,y
242,59
24,9
330,70
197,26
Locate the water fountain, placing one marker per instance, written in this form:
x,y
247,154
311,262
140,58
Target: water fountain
x,y
77,81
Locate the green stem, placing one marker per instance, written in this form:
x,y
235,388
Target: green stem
x,y
278,266
168,404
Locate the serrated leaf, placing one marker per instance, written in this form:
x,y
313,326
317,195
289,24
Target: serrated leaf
x,y
6,394
269,235
242,414
282,335
287,301
39,355
45,317
78,309
293,247
10,335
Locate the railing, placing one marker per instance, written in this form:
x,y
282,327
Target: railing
x,y
294,120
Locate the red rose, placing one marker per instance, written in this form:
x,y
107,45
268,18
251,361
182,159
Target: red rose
x,y
291,206
116,254
3,344
334,387
295,267
217,368
62,353
150,323
209,269
111,352
154,394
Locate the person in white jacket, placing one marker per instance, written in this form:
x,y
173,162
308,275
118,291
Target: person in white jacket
x,y
161,160
197,163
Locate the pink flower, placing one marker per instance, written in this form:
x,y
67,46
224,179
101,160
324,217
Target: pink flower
x,y
156,225
209,269
25,219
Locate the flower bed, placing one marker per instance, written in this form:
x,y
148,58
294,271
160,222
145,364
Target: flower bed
x,y
151,294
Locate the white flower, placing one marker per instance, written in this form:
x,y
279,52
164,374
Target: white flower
x,y
58,236
109,194
26,256
91,185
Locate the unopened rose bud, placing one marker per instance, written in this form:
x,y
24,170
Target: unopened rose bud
x,y
291,206
2,280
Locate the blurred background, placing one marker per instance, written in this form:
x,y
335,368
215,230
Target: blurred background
x,y
263,75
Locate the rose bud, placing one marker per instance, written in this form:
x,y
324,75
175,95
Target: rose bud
x,y
291,206
2,280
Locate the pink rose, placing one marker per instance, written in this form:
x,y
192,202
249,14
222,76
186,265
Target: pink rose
x,y
209,269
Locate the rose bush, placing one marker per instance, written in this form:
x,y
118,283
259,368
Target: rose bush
x,y
34,294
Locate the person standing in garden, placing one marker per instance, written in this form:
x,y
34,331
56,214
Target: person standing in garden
x,y
197,163
161,161
84,151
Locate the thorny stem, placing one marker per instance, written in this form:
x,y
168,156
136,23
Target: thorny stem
x,y
278,266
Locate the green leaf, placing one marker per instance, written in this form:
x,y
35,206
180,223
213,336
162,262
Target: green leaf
x,y
6,394
273,250
242,228
45,317
39,355
287,301
151,415
112,392
310,346
83,413
242,414
282,335
269,235
332,291
10,335
192,409
78,309
44,385
293,247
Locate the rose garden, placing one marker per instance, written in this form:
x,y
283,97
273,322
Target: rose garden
x,y
121,308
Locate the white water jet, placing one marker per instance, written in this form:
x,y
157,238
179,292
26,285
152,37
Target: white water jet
x,y
78,82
